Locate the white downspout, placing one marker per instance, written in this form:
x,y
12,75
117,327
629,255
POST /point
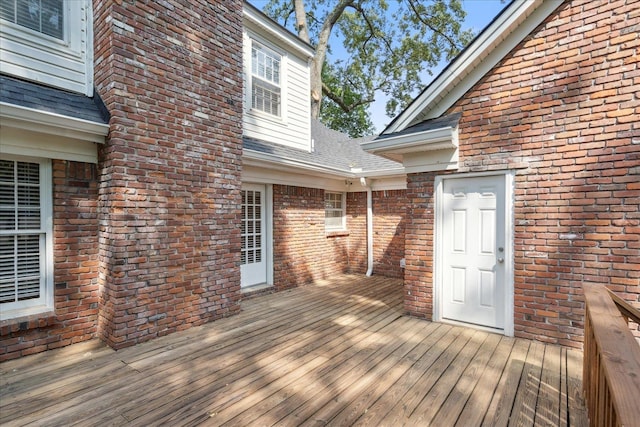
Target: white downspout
x,y
367,185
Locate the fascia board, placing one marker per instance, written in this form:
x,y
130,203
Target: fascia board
x,y
12,115
504,34
256,158
288,163
272,28
434,139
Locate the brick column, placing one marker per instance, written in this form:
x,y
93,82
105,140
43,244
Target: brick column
x,y
170,74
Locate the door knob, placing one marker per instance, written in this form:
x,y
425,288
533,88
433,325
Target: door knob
x,y
500,260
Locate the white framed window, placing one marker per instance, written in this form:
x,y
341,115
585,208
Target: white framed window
x,y
26,233
334,211
266,75
42,16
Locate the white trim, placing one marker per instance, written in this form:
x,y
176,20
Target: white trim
x,y
429,140
268,234
509,246
21,142
276,32
343,211
267,219
285,163
56,124
426,151
517,21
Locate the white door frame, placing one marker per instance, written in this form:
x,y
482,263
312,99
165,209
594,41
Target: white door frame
x,y
509,246
268,231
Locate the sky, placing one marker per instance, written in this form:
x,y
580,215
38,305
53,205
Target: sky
x,y
479,15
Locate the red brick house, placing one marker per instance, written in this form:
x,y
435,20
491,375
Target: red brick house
x,y
158,163
523,171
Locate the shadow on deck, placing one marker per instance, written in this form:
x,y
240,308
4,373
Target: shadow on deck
x,y
340,352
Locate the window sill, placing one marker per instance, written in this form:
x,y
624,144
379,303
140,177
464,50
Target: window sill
x,y
336,233
28,321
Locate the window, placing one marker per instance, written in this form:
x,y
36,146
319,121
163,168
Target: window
x,y
265,80
43,16
25,237
334,211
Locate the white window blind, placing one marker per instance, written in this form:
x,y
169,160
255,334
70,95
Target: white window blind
x,y
22,235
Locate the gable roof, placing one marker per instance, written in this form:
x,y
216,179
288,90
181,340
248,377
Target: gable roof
x,y
334,153
510,27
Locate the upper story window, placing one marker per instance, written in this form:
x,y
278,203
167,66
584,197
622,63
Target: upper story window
x,y
266,94
334,211
43,16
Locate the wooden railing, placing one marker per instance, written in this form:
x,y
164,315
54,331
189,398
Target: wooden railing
x,y
611,370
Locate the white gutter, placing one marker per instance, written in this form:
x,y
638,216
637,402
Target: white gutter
x,y
56,124
367,185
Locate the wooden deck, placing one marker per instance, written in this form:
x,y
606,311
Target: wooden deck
x,y
336,353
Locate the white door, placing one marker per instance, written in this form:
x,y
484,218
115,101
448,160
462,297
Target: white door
x,y
473,251
253,268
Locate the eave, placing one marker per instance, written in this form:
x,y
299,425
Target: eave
x,y
31,119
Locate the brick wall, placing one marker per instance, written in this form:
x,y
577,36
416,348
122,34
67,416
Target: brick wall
x,y
75,231
169,197
562,110
388,229
303,252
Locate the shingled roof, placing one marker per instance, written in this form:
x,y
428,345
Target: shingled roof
x,y
332,149
46,99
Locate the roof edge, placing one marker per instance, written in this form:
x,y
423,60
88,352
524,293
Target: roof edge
x,y
503,34
266,23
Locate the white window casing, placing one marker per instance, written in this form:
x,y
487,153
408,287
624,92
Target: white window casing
x,y
335,211
26,237
266,80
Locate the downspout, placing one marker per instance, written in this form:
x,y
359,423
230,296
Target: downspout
x,y
367,185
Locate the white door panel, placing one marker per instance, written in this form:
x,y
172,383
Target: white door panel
x,y
472,243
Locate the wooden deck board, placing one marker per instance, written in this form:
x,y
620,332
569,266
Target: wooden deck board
x,y
341,352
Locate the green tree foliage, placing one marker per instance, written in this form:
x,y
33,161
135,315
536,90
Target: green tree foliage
x,y
385,46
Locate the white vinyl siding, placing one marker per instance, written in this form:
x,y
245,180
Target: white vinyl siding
x,y
25,237
48,41
292,125
334,211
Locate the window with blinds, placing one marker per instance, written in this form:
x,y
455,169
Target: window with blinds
x,y
265,79
43,16
22,235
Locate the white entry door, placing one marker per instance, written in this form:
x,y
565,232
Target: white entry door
x,y
473,251
253,268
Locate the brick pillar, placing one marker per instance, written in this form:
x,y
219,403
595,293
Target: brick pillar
x,y
170,74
